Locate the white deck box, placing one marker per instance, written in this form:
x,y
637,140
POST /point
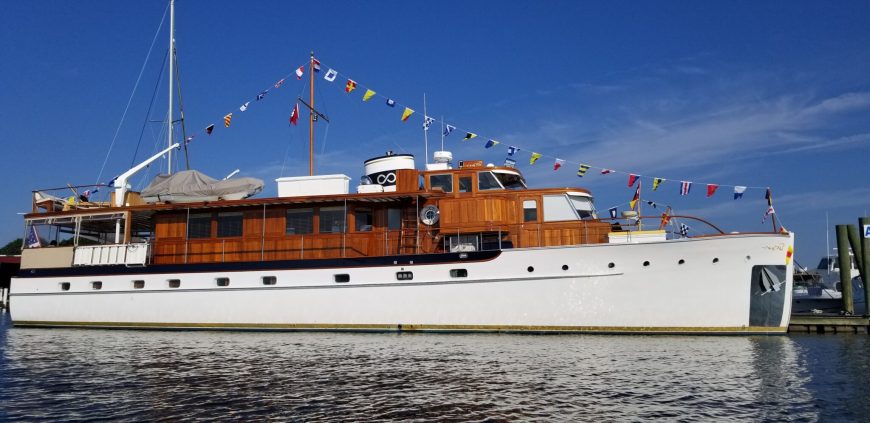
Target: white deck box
x,y
299,186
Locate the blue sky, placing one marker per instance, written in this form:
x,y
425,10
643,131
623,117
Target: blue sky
x,y
737,93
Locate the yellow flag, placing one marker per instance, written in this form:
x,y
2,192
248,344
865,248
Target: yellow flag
x,y
368,95
535,157
227,119
407,113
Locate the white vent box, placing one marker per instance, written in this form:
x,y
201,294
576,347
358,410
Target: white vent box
x,y
300,186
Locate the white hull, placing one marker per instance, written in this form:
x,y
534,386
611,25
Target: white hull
x,y
501,294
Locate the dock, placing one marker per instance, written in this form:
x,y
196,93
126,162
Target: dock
x,y
828,323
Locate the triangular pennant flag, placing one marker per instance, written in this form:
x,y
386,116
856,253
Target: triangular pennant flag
x,y
738,192
685,186
262,94
368,95
535,157
632,178
634,200
209,128
612,212
468,136
227,119
315,64
391,102
558,163
281,82
657,182
330,75
711,189
350,86
491,143
407,113
512,150
299,72
244,107
427,122
294,115
448,129
606,171
769,212
581,171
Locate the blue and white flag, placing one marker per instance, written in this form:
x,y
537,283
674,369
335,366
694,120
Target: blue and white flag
x,y
512,150
330,75
448,129
738,192
612,211
33,238
391,102
427,122
510,162
244,107
261,95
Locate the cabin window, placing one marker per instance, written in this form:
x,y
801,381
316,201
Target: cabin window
x,y
269,280
458,273
363,220
443,181
510,180
583,206
96,285
341,278
138,284
230,224
486,180
394,218
300,221
557,207
222,281
64,286
174,283
404,276
331,220
465,184
199,226
530,211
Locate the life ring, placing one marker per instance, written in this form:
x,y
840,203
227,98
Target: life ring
x,y
429,215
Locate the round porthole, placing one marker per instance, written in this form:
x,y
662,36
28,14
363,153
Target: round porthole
x,y
530,269
564,267
611,265
681,261
646,263
715,260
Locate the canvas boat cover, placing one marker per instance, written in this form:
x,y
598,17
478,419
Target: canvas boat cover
x,y
196,186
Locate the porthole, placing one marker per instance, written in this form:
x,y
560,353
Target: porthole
x,y
222,281
458,273
269,280
748,258
611,265
138,284
174,283
96,285
343,277
646,264
530,269
564,267
681,261
64,286
715,260
404,276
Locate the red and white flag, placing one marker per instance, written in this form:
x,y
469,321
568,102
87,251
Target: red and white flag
x,y
685,186
558,164
315,64
299,72
606,171
294,115
769,212
632,178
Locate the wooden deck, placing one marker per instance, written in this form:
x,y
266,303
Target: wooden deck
x,y
828,323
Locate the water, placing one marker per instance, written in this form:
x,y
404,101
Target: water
x,y
78,374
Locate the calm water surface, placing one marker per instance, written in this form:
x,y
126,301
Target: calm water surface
x,y
71,374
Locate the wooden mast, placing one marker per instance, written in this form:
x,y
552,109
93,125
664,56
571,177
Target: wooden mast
x,y
311,116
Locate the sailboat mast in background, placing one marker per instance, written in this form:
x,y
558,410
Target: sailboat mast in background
x,y
171,78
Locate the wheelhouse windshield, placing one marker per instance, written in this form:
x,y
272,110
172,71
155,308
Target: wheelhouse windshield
x,y
510,180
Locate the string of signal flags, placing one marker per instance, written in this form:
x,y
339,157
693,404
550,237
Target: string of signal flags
x,y
368,93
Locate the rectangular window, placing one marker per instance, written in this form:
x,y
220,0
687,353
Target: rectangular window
x,y
458,273
341,277
269,280
530,211
394,218
363,220
199,226
96,285
138,284
64,286
486,180
331,220
557,207
300,221
222,281
174,283
230,224
465,184
404,276
445,182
